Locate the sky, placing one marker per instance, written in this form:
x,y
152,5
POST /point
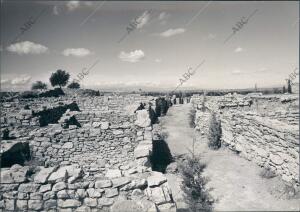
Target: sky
x,y
166,40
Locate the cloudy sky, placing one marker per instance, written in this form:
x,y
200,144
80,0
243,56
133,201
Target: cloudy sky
x,y
165,41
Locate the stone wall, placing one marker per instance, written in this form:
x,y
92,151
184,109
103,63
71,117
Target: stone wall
x,y
104,165
264,129
267,142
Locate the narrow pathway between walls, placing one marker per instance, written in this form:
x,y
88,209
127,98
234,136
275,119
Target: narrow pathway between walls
x,y
235,182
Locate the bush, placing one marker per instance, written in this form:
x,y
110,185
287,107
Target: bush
x,y
162,106
152,115
38,85
29,95
59,78
192,117
215,132
74,85
90,92
141,107
5,134
194,183
52,93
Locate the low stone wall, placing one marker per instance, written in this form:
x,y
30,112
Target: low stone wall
x,y
265,131
104,165
267,142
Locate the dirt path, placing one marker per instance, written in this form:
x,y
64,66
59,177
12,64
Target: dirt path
x,y
235,182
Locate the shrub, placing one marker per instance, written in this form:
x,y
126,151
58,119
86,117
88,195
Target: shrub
x,y
193,184
5,134
90,92
192,117
52,93
152,115
215,132
283,89
289,87
162,106
141,107
59,78
74,85
39,85
29,95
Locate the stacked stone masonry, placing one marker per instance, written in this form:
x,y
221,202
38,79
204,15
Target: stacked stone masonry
x,y
253,128
101,166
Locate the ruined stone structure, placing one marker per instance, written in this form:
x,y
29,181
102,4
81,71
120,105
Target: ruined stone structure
x,y
102,165
253,128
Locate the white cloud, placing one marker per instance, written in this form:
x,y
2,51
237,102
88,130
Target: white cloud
x,y
162,16
157,60
143,19
73,5
132,57
55,10
79,52
238,49
236,72
212,36
21,80
4,81
171,32
263,69
27,47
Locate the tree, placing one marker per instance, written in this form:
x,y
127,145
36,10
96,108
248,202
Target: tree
x,y
59,78
289,87
74,85
39,85
215,132
283,89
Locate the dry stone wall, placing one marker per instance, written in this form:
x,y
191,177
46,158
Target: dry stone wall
x,y
104,165
264,129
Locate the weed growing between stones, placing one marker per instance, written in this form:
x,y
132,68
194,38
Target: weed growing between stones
x,y
192,117
215,132
194,183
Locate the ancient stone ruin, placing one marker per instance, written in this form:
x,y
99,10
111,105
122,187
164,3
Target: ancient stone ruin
x,y
95,157
263,129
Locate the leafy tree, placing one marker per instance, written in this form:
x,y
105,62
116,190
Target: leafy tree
x,y
289,87
215,132
39,85
74,85
59,78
